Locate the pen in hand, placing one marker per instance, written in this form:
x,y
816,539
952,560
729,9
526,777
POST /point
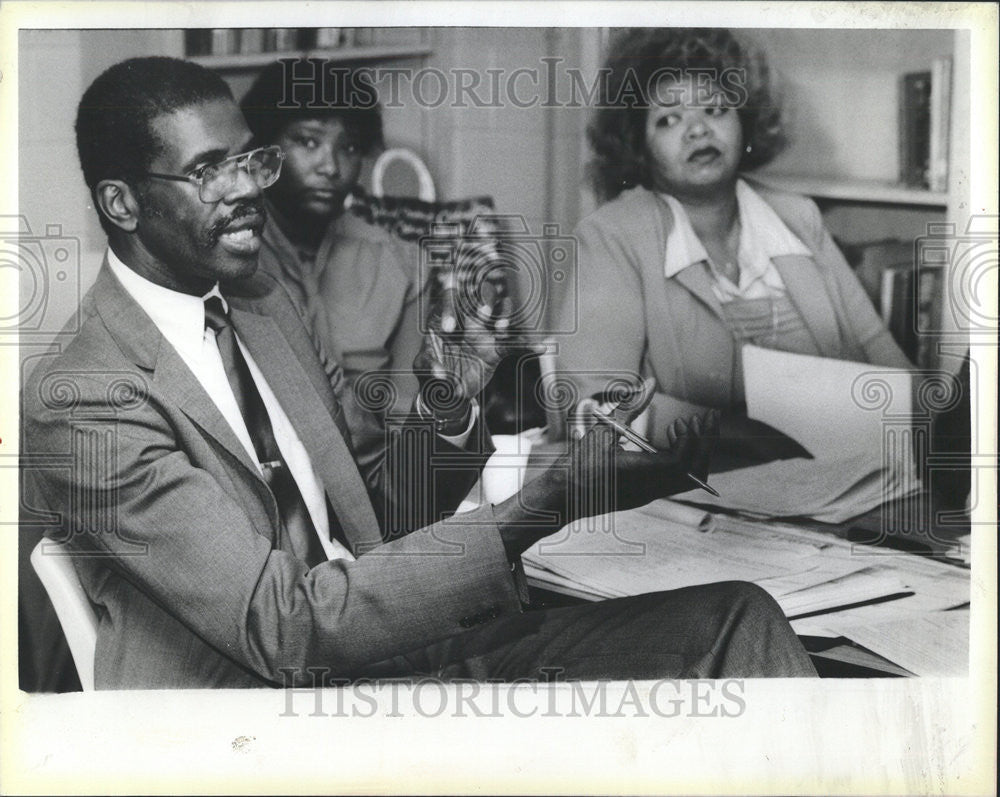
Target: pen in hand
x,y
644,444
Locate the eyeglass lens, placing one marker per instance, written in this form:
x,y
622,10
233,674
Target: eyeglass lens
x,y
263,166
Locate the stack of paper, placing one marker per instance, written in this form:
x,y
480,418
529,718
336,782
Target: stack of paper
x,y
827,586
825,490
928,644
854,419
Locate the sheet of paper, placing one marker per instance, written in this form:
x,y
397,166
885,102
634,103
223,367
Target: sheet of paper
x,y
927,644
936,586
859,586
546,579
835,408
643,551
805,571
826,490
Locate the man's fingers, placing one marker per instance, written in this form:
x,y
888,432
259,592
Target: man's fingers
x,y
695,439
672,434
711,423
634,401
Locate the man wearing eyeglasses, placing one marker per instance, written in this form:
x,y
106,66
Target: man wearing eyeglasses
x,y
219,501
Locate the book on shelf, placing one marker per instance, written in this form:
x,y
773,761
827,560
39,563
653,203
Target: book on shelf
x,y
871,259
915,129
924,126
251,41
198,41
928,298
906,294
363,37
328,38
225,41
940,123
279,40
911,303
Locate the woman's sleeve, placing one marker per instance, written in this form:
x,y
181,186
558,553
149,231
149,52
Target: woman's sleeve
x,y
600,315
603,305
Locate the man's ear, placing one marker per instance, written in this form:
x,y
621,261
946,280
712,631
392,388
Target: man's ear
x,y
118,203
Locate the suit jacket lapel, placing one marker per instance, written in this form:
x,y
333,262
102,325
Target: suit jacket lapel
x,y
806,289
139,339
313,423
695,279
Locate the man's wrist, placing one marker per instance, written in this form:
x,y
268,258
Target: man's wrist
x,y
550,510
450,423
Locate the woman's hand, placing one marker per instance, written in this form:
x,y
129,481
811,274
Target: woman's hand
x,y
750,442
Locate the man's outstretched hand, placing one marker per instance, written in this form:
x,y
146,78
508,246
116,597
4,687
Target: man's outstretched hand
x,y
597,475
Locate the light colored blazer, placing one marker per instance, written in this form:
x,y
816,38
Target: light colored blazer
x,y
631,319
175,525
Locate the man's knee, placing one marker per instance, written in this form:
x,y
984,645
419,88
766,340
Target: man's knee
x,y
748,600
750,595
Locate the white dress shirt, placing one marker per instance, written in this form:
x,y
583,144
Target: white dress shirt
x,y
180,318
763,236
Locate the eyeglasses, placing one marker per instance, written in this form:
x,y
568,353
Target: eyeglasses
x,y
215,180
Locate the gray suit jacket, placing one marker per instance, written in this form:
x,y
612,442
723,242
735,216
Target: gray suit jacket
x,y
175,529
631,319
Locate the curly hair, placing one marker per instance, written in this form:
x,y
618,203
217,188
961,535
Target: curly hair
x,y
287,91
636,58
114,135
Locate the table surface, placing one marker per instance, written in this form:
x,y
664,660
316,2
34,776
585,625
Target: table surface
x,y
919,524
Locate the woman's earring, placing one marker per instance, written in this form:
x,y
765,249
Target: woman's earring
x,y
749,148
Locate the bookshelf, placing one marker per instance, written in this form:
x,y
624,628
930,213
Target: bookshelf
x,y
238,50
239,62
845,111
847,189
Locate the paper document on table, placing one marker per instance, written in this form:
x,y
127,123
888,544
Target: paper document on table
x,y
806,572
860,586
836,409
925,644
830,491
936,586
546,579
642,551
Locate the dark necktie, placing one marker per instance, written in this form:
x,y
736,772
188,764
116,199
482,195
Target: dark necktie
x,y
297,533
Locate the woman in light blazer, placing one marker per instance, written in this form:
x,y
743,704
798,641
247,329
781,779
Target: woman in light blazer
x,y
688,259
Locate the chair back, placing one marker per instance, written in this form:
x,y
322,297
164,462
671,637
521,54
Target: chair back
x,y
53,563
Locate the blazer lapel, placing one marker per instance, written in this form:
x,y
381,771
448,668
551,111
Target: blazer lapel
x,y
181,386
140,340
806,289
695,279
313,423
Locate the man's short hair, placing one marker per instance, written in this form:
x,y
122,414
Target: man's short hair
x,y
292,90
114,135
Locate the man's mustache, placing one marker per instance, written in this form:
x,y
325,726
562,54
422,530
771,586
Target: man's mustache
x,y
241,211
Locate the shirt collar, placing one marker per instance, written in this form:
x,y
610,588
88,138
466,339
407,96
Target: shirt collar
x,y
763,236
180,317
